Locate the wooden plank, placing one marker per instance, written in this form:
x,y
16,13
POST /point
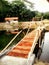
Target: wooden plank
x,y
23,47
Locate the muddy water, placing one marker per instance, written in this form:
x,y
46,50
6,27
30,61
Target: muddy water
x,y
45,52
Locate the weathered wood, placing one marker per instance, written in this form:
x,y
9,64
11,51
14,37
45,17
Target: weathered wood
x,y
24,25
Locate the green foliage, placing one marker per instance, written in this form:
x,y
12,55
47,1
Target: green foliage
x,y
46,15
5,39
4,8
18,9
15,9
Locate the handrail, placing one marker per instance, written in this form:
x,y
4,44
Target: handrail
x,y
28,28
13,40
32,48
10,42
35,41
26,34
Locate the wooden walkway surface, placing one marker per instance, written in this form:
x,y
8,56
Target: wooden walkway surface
x,y
25,47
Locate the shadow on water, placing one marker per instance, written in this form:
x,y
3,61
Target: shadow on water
x,y
45,53
5,38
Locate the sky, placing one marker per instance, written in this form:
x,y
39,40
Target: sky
x,y
40,5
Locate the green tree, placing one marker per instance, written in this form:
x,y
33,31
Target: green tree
x,y
46,15
4,8
15,9
20,10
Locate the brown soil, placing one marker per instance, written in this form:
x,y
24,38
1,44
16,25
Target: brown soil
x,y
41,63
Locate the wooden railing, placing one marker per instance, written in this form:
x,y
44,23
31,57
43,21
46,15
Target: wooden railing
x,y
23,25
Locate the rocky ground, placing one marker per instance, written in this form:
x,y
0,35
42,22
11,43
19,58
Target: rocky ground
x,y
40,63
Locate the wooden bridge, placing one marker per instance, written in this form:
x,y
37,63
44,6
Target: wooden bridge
x,y
22,52
23,49
23,25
